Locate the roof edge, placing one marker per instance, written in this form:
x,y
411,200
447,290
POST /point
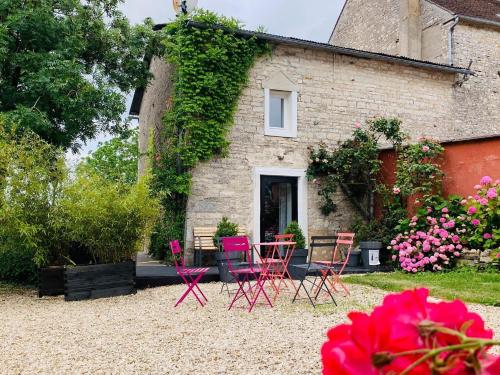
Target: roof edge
x,y
341,50
478,20
457,140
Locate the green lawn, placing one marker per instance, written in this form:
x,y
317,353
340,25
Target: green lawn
x,y
467,285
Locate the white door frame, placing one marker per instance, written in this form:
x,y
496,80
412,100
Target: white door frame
x,y
301,196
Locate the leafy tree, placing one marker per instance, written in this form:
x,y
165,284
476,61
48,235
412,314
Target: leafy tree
x,y
66,64
116,159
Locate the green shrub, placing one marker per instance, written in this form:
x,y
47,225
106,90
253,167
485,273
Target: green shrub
x,y
109,220
16,264
225,228
298,236
45,216
31,177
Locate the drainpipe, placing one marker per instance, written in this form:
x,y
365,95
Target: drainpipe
x,y
450,40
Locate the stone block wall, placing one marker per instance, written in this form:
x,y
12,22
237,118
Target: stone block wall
x,y
369,25
477,98
153,106
334,92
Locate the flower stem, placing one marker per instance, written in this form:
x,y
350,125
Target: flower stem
x,y
434,352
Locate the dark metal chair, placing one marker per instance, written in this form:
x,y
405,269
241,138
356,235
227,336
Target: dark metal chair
x,y
315,269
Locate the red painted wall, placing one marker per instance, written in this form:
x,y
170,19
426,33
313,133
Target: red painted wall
x,y
464,164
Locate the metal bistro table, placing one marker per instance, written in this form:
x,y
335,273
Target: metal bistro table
x,y
275,264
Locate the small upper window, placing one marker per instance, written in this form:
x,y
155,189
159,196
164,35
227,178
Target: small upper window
x,y
280,107
277,109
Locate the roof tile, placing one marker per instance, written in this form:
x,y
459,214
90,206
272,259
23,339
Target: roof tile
x,y
485,9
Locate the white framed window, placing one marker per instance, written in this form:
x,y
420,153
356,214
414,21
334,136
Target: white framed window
x,y
280,113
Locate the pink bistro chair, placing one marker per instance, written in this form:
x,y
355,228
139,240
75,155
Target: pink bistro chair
x,y
243,274
190,276
335,267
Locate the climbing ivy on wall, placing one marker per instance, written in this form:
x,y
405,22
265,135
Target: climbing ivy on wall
x,y
212,64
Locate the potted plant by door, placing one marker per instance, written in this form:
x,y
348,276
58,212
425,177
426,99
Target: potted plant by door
x,y
225,228
369,236
299,256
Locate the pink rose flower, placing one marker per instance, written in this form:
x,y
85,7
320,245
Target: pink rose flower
x,y
492,193
486,180
487,236
463,202
456,253
477,187
357,125
444,210
396,190
425,148
475,222
472,210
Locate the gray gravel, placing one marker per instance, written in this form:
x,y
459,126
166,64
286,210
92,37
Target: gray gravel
x,y
145,334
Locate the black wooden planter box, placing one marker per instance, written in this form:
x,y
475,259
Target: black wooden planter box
x,y
51,281
98,281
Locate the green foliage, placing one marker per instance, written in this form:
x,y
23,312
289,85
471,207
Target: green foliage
x,y
354,165
466,283
418,169
32,174
116,159
45,217
107,219
66,64
298,235
225,228
211,69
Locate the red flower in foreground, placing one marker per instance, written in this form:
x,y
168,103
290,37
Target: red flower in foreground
x,y
410,335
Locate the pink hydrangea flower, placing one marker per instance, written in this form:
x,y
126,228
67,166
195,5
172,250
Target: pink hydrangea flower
x,y
396,190
492,193
486,180
425,148
472,210
483,201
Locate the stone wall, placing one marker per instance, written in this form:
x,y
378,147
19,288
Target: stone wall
x,y
434,32
369,25
477,98
334,92
153,106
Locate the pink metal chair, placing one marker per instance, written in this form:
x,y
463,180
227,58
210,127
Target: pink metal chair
x,y
191,276
244,274
335,267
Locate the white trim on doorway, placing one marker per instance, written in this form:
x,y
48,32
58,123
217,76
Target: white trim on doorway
x,y
301,195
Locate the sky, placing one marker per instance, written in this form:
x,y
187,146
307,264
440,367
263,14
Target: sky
x,y
305,19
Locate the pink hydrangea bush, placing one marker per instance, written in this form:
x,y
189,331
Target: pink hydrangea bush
x,y
432,242
483,213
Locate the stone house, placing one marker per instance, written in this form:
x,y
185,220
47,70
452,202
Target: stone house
x,y
305,93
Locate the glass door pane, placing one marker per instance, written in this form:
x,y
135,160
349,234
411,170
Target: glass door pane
x,y
278,205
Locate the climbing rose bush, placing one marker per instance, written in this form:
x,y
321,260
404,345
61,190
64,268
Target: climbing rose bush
x,y
483,210
433,243
407,334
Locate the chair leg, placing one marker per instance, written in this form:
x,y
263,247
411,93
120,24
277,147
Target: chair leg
x,y
190,289
305,289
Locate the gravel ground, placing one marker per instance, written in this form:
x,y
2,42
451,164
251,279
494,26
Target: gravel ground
x,y
145,334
